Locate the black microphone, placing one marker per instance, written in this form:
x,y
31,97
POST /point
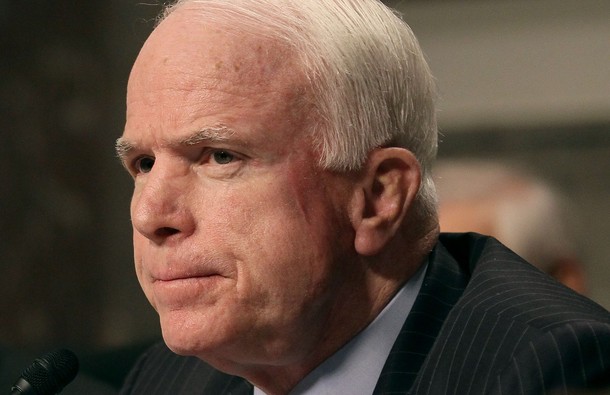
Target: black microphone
x,y
47,375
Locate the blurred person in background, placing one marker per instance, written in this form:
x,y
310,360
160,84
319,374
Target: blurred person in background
x,y
522,211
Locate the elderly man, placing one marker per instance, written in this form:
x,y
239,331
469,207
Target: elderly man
x,y
285,227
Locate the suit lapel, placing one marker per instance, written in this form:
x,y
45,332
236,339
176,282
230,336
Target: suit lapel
x,y
442,287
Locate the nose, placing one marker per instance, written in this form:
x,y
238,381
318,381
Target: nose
x,y
159,206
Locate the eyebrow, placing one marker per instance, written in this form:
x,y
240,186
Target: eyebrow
x,y
210,134
213,134
122,148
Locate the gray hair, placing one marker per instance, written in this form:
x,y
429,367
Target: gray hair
x,y
370,83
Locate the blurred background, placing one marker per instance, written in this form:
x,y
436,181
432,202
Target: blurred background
x,y
525,83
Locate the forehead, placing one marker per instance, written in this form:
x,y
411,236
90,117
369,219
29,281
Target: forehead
x,y
190,67
189,43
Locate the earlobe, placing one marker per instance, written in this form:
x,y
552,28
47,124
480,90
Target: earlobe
x,y
390,183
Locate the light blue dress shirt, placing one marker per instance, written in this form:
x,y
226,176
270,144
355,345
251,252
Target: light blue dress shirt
x,y
356,367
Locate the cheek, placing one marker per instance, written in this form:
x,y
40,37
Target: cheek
x,y
320,203
272,227
291,223
139,245
143,278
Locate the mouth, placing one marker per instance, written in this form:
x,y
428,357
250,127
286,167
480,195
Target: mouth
x,y
182,277
169,274
185,279
182,291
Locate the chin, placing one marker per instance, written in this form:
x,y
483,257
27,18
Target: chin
x,y
189,336
188,345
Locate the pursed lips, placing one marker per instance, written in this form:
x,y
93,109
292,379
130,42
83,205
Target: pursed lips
x,y
182,275
174,269
177,280
176,290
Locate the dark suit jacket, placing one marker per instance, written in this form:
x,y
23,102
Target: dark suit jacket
x,y
484,322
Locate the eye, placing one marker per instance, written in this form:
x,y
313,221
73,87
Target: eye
x,y
222,157
144,164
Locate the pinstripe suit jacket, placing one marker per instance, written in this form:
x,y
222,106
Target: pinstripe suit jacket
x,y
484,322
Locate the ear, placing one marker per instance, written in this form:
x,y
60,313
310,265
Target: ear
x,y
390,182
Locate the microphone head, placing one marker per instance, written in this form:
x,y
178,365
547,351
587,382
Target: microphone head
x,y
50,373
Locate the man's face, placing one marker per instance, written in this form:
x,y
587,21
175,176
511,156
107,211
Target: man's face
x,y
238,235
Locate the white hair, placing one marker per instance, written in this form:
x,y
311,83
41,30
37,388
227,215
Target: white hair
x,y
370,84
